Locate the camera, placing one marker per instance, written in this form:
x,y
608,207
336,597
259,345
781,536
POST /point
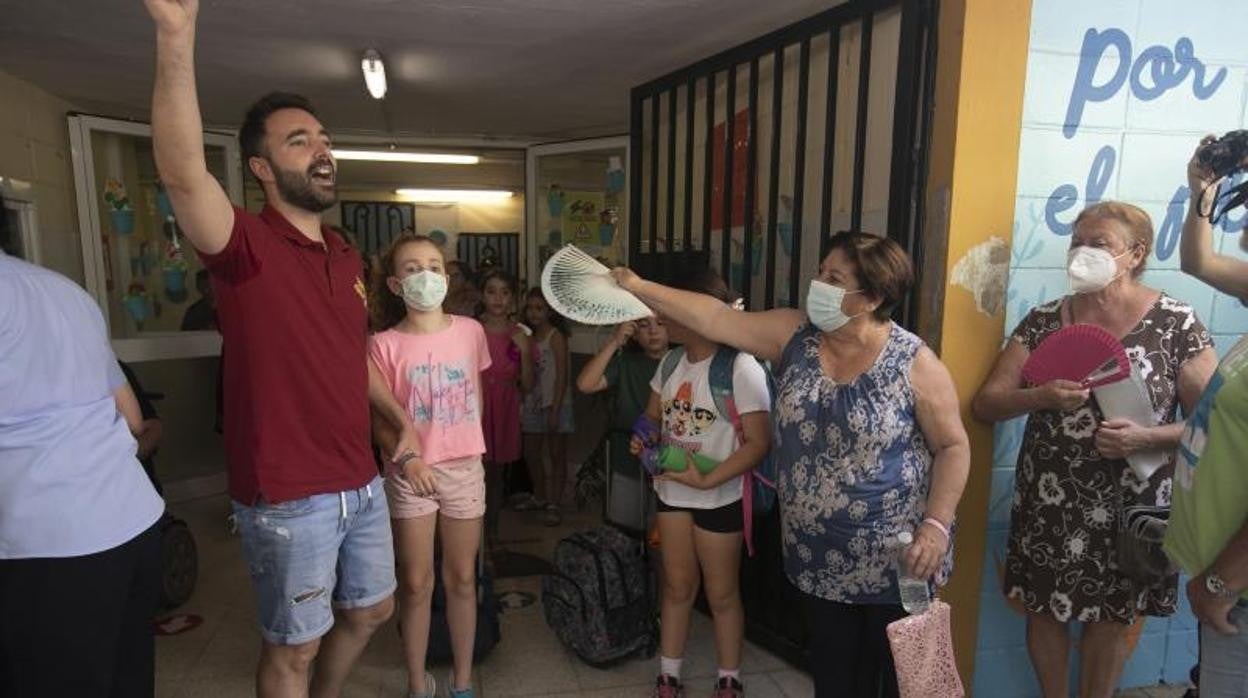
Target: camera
x,y
1226,155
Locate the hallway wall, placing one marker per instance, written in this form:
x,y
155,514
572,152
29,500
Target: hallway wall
x,y
34,146
1110,113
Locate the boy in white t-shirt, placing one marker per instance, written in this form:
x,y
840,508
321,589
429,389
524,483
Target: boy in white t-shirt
x,y
699,514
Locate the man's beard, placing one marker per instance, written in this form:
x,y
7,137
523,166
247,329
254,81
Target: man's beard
x,y
297,189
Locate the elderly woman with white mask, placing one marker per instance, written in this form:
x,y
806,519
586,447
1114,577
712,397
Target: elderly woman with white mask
x,y
868,444
1073,480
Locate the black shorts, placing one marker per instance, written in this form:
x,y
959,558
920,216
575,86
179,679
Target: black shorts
x,y
725,519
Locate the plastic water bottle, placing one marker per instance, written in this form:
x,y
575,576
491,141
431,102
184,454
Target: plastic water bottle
x,y
915,595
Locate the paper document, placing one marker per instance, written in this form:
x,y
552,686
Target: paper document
x,y
1127,399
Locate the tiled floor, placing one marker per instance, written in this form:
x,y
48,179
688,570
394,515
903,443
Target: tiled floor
x,y
218,658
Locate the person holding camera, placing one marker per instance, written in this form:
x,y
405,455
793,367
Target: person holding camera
x,y
1208,531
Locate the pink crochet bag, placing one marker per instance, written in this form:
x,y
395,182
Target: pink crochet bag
x,y
923,653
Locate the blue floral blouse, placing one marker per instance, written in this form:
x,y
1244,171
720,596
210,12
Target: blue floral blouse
x,y
854,470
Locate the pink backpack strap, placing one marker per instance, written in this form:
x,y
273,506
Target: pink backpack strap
x,y
747,511
747,480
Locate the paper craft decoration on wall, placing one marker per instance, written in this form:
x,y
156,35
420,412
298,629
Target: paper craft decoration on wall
x,y
554,201
173,270
607,220
440,222
163,206
120,211
738,256
785,226
138,303
582,216
615,174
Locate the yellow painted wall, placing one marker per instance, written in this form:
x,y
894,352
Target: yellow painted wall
x,y
981,71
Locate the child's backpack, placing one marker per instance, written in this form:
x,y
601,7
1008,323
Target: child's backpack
x,y
488,632
600,597
758,486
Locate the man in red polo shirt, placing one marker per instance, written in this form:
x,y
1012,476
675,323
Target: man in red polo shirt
x,y
291,306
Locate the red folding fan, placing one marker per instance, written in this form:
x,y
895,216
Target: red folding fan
x,y
1081,353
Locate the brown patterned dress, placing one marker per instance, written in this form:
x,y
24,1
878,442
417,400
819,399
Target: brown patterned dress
x,y
1064,521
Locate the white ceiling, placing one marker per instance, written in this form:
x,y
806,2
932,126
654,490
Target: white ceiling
x,y
521,69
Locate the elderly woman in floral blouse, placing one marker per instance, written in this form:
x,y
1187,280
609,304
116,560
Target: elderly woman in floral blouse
x,y
1072,478
869,443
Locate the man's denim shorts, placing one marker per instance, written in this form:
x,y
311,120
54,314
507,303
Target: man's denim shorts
x,y
306,553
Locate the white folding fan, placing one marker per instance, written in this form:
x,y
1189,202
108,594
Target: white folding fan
x,y
578,287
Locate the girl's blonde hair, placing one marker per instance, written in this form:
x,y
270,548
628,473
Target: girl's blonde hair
x,y
385,309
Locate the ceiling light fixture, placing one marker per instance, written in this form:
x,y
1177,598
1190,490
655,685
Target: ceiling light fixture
x,y
374,73
455,196
401,156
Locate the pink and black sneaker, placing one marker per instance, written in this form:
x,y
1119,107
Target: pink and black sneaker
x,y
668,687
728,687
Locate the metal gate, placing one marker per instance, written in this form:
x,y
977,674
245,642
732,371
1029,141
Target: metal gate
x,y
485,251
376,223
853,157
749,159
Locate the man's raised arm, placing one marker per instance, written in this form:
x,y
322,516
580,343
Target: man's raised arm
x,y
203,210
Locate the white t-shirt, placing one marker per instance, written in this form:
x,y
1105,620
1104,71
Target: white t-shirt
x,y
691,422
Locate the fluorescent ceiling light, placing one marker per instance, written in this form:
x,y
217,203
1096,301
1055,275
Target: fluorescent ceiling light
x,y
475,196
374,73
400,156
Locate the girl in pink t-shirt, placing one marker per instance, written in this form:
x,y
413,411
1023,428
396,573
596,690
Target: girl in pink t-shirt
x,y
432,362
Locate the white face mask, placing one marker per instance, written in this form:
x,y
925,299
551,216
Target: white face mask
x,y
424,290
1091,269
823,305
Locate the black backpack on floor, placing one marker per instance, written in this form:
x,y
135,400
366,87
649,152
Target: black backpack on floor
x,y
599,600
488,633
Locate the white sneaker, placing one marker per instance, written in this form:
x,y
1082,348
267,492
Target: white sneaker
x,y
431,688
527,502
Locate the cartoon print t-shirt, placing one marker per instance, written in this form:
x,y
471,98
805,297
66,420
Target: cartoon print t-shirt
x,y
436,377
691,422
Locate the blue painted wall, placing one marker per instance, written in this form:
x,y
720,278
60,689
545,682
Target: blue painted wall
x,y
1118,93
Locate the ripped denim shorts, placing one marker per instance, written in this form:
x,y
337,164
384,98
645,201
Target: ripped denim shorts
x,y
308,556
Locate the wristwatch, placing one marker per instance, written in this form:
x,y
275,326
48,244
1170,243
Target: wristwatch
x,y
1214,585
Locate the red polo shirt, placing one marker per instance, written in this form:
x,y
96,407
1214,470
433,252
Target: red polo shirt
x,y
294,324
